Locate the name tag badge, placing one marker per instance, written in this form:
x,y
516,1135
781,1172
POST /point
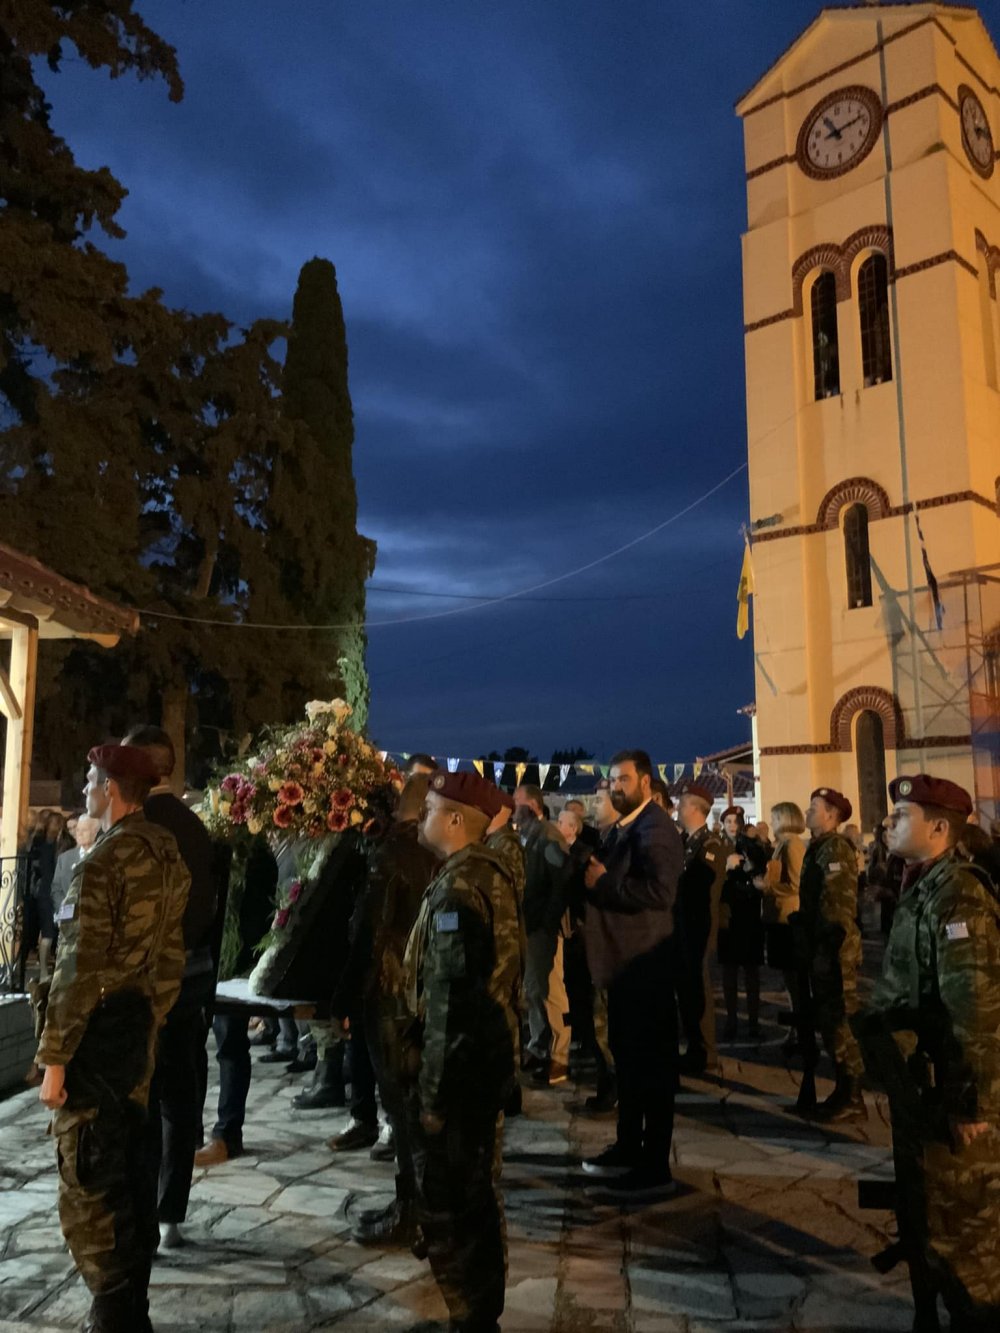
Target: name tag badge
x,y
67,912
446,922
709,856
957,930
834,865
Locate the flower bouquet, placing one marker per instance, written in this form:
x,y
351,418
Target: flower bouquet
x,y
312,788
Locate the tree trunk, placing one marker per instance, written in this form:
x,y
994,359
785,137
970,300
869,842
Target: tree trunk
x,y
173,720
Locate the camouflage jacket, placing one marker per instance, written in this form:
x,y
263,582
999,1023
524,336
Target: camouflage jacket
x,y
699,888
464,967
942,964
120,962
828,891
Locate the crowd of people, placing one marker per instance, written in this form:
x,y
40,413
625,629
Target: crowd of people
x,y
480,944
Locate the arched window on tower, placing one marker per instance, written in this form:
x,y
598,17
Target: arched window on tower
x,y
858,557
987,314
869,751
873,305
826,354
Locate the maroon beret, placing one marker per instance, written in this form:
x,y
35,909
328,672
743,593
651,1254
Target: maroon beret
x,y
468,789
734,810
696,789
925,790
837,800
124,761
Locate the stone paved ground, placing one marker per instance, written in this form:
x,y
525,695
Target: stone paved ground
x,y
765,1235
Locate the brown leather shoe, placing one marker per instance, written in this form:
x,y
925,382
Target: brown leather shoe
x,y
214,1153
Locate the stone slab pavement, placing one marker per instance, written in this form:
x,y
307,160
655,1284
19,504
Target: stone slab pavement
x,y
765,1234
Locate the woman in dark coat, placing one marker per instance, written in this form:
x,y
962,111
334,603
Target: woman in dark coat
x,y
741,928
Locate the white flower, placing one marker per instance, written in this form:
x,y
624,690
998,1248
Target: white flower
x,y
254,824
318,707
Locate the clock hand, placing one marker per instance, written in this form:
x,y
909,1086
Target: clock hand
x,y
839,133
834,132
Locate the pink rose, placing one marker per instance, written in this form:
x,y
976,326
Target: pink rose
x,y
281,918
295,892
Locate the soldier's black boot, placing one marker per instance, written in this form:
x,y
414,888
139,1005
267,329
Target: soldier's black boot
x,y
846,1103
391,1226
113,1311
327,1087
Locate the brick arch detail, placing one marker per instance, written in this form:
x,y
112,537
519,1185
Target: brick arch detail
x,y
838,258
856,490
863,699
868,238
991,254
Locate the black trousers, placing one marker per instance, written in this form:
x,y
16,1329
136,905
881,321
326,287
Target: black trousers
x,y
177,1095
232,1050
361,1072
694,994
642,1030
385,1047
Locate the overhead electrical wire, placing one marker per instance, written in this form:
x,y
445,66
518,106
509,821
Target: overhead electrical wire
x,y
151,614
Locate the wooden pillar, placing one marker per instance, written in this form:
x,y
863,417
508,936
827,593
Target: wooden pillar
x,y
17,702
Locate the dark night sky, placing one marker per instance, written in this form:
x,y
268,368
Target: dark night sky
x,y
535,213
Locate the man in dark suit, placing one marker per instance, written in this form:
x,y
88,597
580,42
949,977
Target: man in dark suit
x,y
630,946
177,1091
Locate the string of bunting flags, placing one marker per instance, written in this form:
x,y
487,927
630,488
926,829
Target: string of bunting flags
x,y
511,773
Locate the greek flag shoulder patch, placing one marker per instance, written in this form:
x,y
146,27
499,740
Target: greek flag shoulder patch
x,y
957,930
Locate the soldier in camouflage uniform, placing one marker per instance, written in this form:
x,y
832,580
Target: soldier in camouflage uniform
x,y
828,909
937,1007
464,977
699,890
118,972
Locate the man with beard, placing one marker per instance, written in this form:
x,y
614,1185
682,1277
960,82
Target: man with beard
x,y
633,888
463,986
930,1034
117,975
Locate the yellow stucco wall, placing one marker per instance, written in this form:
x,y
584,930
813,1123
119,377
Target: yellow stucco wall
x,y
933,433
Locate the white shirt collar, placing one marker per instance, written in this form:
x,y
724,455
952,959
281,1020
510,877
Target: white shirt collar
x,y
630,819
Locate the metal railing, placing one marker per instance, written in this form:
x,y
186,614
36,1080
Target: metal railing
x,y
13,891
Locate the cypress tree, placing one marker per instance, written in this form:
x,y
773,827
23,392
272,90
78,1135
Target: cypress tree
x,y
324,560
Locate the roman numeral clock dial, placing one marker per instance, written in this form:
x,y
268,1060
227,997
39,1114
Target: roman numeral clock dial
x,y
977,138
839,132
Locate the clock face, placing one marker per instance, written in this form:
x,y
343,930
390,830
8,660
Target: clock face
x,y
839,132
977,138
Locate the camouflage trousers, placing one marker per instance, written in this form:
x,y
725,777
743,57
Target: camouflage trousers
x,y
460,1211
833,973
107,1192
963,1226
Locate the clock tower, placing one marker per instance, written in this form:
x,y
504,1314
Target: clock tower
x,y
871,263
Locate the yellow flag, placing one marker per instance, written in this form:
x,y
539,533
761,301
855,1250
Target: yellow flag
x,y
744,594
478,765
519,772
